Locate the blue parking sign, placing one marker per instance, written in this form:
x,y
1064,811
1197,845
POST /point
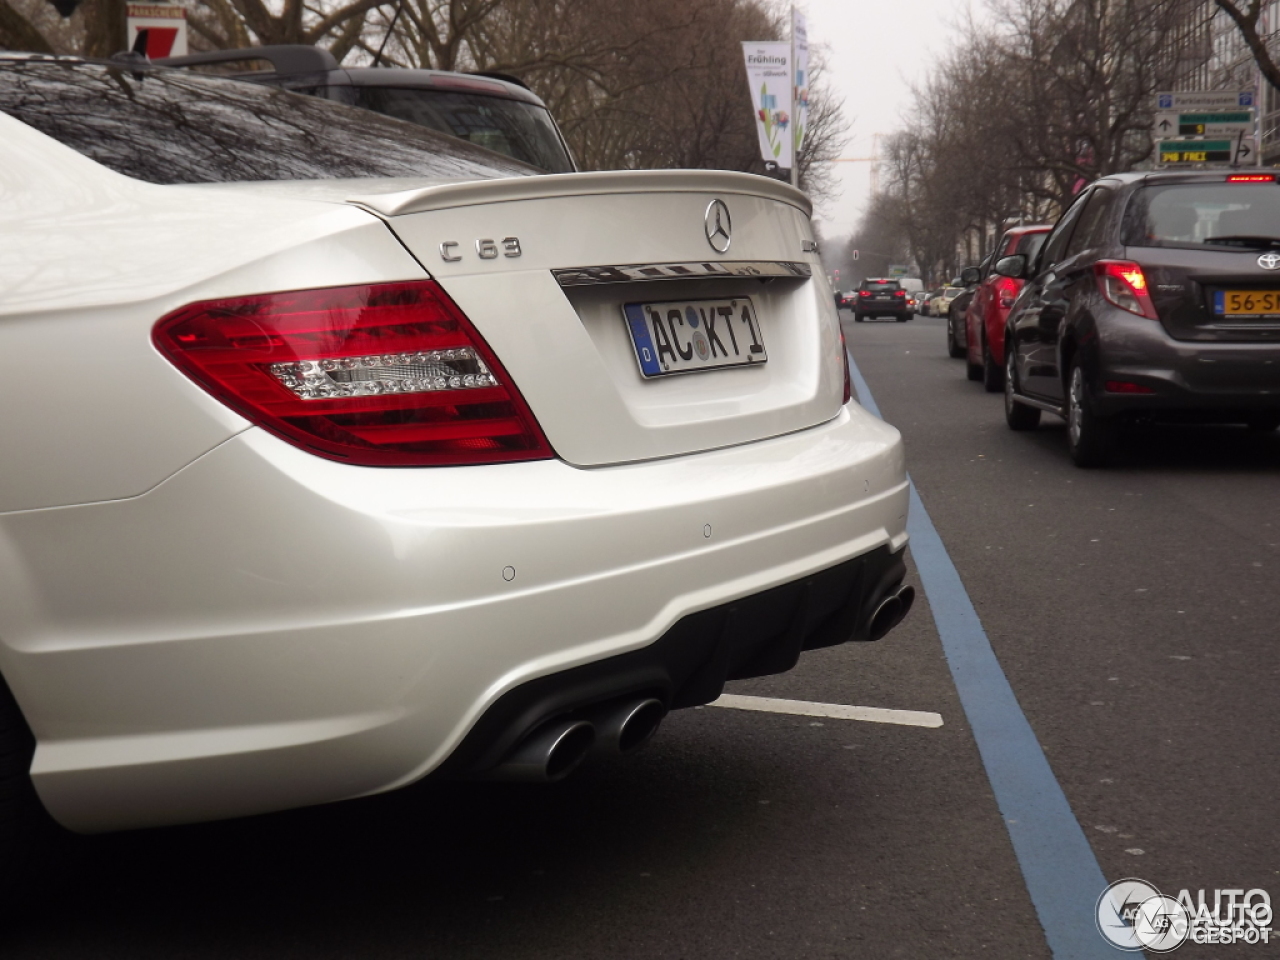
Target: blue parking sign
x,y
1166,101
1246,99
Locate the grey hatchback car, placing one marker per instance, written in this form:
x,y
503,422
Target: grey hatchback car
x,y
1156,297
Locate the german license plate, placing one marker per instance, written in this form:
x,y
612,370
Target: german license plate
x,y
1246,303
688,336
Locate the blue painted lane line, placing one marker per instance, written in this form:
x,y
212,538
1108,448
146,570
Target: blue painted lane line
x,y
1061,873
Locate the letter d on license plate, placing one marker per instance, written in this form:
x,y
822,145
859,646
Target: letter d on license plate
x,y
687,336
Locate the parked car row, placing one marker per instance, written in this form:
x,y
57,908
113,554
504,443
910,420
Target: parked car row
x,y
1155,297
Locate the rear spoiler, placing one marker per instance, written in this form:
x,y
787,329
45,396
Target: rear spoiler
x,y
285,59
473,192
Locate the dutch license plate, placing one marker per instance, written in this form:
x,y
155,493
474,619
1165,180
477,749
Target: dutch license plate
x,y
687,336
1246,303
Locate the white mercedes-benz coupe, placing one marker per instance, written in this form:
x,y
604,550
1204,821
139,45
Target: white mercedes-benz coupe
x,y
339,453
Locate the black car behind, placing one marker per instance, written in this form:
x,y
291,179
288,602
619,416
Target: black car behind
x,y
1156,296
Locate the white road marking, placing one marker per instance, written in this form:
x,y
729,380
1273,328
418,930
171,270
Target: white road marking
x,y
838,711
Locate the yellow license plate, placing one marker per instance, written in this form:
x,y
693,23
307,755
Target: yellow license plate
x,y
1247,303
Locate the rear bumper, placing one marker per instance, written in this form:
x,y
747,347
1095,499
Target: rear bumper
x,y
1185,376
876,310
267,629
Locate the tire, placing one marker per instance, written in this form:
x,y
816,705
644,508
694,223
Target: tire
x,y
857,317
953,349
992,375
1090,437
23,822
904,318
1017,415
972,370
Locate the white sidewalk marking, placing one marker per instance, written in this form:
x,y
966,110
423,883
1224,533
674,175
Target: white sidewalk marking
x,y
803,708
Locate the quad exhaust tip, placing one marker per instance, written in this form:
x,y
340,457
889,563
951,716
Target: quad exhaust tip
x,y
622,728
550,753
554,750
892,610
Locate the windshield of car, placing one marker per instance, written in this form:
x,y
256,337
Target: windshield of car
x,y
1030,244
1196,214
171,126
518,129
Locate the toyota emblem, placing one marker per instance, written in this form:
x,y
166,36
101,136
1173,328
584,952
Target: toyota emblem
x,y
719,226
1268,261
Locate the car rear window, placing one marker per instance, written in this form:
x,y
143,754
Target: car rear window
x,y
171,126
1207,212
521,130
881,285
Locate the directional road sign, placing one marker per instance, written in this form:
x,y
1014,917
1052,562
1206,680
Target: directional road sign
x,y
1181,152
1221,123
1190,100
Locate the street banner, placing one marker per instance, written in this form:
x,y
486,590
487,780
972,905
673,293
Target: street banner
x,y
800,33
165,25
770,79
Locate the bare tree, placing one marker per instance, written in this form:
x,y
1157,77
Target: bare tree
x,y
1247,20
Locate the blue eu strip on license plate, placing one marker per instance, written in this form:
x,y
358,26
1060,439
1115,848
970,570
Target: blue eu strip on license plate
x,y
688,336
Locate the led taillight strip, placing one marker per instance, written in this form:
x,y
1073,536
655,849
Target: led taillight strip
x,y
421,372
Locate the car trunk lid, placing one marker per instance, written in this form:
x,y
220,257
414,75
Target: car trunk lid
x,y
554,271
1213,295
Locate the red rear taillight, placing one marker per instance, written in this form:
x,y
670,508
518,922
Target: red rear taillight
x,y
864,293
1125,386
1251,178
1124,284
385,375
899,293
1006,289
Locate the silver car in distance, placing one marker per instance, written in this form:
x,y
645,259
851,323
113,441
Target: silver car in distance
x,y
339,454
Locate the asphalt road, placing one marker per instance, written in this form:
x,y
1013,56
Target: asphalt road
x,y
1132,610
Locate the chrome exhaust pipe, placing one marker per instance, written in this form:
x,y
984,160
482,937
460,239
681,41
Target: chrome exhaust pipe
x,y
624,727
548,754
891,612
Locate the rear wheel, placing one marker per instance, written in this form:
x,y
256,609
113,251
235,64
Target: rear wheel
x,y
857,317
953,349
1017,415
1090,437
992,374
972,370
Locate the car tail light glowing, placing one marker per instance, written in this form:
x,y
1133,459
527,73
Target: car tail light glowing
x,y
1006,289
864,293
1124,284
1251,178
899,293
386,375
1125,386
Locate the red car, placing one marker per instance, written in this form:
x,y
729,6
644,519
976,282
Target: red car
x,y
989,308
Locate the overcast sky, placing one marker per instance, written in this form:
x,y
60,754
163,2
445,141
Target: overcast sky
x,y
876,50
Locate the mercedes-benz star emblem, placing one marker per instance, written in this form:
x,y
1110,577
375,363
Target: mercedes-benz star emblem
x,y
1268,261
719,226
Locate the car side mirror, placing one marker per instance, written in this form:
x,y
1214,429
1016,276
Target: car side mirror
x,y
1014,267
969,276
